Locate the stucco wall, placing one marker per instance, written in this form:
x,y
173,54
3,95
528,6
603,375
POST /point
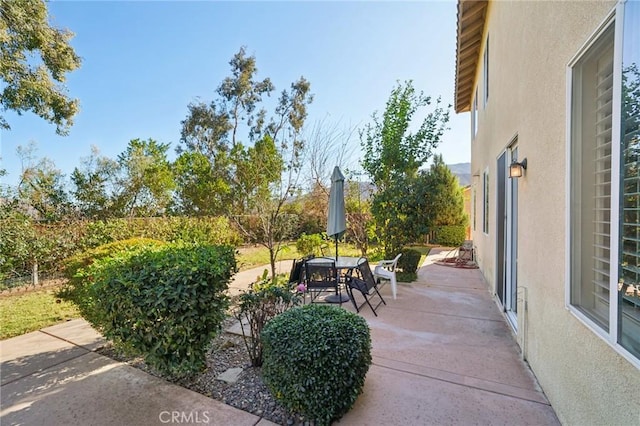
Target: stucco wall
x,y
531,44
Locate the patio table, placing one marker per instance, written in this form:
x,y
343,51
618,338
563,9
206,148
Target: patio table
x,y
344,264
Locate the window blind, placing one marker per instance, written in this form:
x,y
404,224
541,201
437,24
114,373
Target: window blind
x,y
602,186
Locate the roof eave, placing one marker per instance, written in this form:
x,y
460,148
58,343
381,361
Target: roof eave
x,y
471,21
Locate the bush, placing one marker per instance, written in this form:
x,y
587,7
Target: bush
x,y
192,230
450,235
86,258
165,303
310,244
257,306
315,360
409,260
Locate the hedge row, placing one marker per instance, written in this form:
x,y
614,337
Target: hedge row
x,y
24,242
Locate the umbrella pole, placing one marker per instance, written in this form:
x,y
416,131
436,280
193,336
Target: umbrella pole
x,y
336,247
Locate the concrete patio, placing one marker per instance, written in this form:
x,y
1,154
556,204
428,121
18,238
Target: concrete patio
x,y
442,355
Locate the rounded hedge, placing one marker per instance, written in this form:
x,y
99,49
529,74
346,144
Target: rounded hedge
x,y
315,360
409,260
166,303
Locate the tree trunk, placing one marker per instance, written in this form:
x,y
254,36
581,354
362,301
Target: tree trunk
x,y
34,273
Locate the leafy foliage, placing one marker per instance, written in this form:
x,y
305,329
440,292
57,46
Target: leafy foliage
x,y
444,200
255,177
256,307
390,149
310,244
360,224
449,235
86,258
35,59
16,237
145,180
392,157
42,186
166,304
409,260
25,242
316,358
92,185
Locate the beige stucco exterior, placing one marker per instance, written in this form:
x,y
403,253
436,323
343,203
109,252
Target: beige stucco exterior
x,y
531,45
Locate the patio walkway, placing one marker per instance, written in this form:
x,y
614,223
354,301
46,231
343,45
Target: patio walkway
x,y
442,355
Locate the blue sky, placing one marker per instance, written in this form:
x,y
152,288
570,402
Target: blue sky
x,y
144,62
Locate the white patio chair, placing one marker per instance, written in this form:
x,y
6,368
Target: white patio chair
x,y
386,269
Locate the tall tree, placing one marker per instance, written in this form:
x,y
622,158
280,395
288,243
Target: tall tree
x,y
360,225
42,186
94,184
34,61
200,190
444,198
256,174
393,154
145,182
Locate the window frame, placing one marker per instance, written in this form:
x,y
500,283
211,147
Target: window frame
x,y
485,74
486,185
610,336
474,116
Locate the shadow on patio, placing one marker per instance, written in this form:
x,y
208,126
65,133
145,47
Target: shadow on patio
x,y
444,354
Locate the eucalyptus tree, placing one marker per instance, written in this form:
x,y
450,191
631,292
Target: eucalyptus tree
x,y
253,153
94,184
393,155
35,60
42,186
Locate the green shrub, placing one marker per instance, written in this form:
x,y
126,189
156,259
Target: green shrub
x,y
86,258
310,244
450,235
409,260
192,230
315,360
256,307
165,303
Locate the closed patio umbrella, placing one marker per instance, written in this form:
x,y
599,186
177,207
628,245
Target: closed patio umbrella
x,y
337,221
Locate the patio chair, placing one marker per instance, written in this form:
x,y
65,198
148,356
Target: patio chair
x,y
321,276
296,274
365,283
386,269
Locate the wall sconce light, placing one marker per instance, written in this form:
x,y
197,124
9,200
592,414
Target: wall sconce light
x,y
516,169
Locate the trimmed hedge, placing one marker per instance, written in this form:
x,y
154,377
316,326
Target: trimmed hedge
x,y
165,303
449,236
25,241
315,360
409,260
86,258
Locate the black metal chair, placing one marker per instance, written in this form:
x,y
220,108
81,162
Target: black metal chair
x,y
321,276
364,283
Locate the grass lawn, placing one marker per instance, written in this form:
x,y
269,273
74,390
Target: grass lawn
x,y
26,312
250,257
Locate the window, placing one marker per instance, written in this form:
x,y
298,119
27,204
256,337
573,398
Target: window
x,y
474,116
473,210
485,202
604,211
485,75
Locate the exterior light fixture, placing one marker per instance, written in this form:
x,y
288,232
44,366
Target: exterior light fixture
x,y
516,169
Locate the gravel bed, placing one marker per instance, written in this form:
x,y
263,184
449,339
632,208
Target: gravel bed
x,y
227,351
